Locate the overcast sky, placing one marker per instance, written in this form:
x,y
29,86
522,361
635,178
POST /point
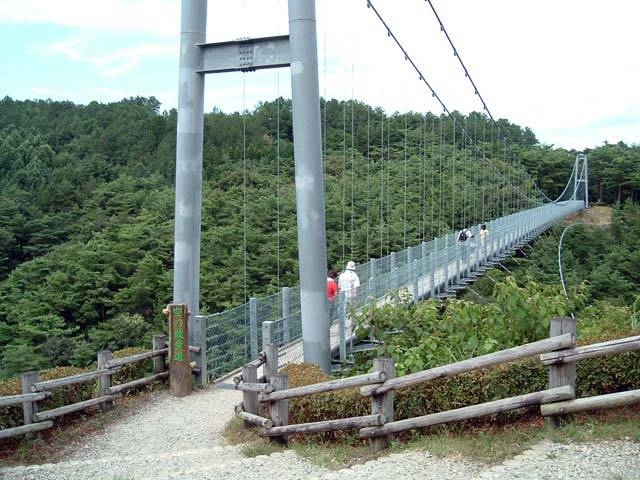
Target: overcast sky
x,y
568,69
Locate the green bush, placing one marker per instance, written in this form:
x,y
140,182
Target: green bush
x,y
432,333
132,371
322,406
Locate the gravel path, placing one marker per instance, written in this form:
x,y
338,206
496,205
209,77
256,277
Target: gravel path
x,y
179,438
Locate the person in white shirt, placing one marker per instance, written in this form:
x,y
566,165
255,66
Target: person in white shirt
x,y
484,233
349,282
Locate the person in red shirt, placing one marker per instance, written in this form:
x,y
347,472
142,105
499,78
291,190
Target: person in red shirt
x,y
332,284
332,292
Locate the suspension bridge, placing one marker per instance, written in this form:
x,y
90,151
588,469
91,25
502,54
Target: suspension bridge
x,y
434,156
432,264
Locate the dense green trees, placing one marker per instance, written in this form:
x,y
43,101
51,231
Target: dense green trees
x,y
86,207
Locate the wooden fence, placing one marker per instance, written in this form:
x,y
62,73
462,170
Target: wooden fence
x,y
34,390
558,352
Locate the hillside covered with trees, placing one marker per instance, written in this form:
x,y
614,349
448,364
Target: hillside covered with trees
x,y
86,208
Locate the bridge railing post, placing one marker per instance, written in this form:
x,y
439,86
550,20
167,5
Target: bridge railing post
x,y
253,327
459,248
424,259
198,338
416,280
435,263
342,327
394,271
286,313
445,269
408,268
432,275
268,331
478,248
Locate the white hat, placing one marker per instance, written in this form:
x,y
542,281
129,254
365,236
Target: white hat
x,y
351,265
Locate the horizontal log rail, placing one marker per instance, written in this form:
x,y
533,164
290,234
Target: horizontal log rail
x,y
326,425
118,362
24,429
611,347
138,383
331,385
471,364
600,402
464,413
255,387
74,407
23,397
255,419
70,380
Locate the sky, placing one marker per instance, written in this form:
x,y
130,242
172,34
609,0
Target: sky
x,y
567,69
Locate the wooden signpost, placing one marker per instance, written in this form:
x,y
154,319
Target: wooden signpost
x,y
180,381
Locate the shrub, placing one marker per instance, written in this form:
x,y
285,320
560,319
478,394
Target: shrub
x,y
323,406
132,371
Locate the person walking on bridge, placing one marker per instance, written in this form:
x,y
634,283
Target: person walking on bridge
x,y
349,282
332,292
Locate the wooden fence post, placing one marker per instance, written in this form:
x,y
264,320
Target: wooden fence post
x,y
383,403
562,373
105,380
250,399
29,408
180,381
158,362
279,409
270,349
271,362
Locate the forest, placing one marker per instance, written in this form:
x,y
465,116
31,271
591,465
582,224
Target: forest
x,y
86,209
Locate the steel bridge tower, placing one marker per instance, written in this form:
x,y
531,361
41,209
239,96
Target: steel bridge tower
x,y
298,50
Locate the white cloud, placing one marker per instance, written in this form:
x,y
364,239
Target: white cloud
x,y
160,17
115,63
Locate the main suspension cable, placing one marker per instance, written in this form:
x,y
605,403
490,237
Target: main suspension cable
x,y
437,97
456,54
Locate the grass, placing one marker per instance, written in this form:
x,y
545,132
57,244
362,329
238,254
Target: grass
x,y
489,443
